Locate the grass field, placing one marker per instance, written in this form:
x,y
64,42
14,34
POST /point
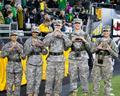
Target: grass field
x,y
115,86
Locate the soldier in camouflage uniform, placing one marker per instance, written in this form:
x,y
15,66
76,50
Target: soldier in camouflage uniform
x,y
33,48
78,58
57,42
13,51
103,65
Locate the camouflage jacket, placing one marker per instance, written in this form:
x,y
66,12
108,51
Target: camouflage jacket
x,y
14,57
83,49
56,45
33,52
113,50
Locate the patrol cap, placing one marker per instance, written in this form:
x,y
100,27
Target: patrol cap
x,y
106,28
58,22
35,29
13,33
77,20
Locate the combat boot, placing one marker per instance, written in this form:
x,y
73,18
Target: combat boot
x,y
35,94
73,93
112,94
30,94
85,94
95,94
56,94
47,94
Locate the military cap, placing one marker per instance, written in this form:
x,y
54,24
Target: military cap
x,y
58,22
77,20
13,33
106,28
35,29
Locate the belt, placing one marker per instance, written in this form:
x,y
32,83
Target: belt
x,y
35,53
56,53
17,60
104,54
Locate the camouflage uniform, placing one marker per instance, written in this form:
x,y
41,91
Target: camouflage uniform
x,y
34,65
78,60
55,62
103,68
14,67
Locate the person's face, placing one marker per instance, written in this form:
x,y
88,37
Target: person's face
x,y
77,26
10,15
46,16
13,38
58,26
47,23
69,24
34,34
106,33
34,11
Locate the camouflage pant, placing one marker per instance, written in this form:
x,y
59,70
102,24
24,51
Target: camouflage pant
x,y
33,78
83,74
103,71
13,79
55,74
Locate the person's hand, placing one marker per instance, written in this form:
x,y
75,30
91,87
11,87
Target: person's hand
x,y
73,38
34,42
83,39
108,47
58,34
12,47
99,46
76,38
39,44
17,47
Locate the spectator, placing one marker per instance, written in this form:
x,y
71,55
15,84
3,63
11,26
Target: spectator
x,y
14,11
9,18
20,17
68,27
69,16
45,27
62,4
43,5
52,4
71,2
33,4
1,18
7,2
24,3
27,24
62,15
1,5
33,16
17,2
1,15
44,16
26,15
11,8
